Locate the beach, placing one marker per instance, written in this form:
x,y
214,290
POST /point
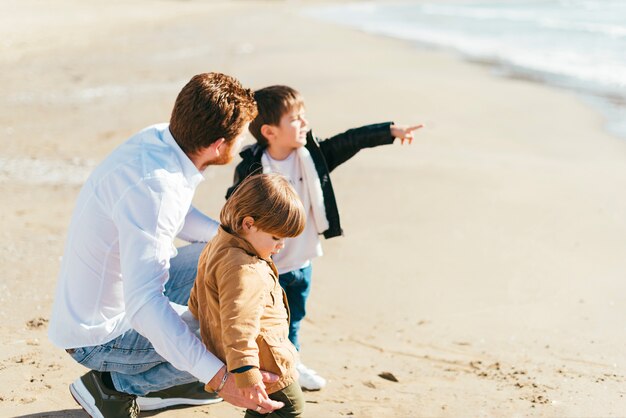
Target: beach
x,y
482,267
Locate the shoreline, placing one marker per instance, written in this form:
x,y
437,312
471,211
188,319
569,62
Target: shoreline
x,y
482,266
610,104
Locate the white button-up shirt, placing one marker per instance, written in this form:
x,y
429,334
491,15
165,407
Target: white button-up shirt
x,y
118,249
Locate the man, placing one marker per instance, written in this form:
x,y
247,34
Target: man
x,y
120,305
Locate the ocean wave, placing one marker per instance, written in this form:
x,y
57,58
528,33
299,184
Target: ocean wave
x,y
576,44
542,18
612,31
477,12
554,41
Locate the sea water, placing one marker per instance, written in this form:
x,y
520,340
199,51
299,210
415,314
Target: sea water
x,y
575,44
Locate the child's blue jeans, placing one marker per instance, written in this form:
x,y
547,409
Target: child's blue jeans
x,y
135,366
297,285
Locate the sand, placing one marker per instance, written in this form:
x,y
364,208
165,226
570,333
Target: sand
x,y
483,266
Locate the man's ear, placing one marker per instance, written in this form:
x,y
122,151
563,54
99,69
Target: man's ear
x,y
268,131
216,146
204,156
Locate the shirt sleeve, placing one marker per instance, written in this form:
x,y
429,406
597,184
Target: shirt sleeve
x,y
340,148
242,299
198,227
147,217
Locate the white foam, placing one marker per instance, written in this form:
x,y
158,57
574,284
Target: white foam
x,y
569,39
613,31
477,12
576,44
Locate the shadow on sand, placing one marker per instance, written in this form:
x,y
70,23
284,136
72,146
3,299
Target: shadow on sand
x,y
79,413
69,413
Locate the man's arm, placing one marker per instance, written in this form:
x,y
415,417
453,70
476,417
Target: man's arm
x,y
147,217
146,232
198,227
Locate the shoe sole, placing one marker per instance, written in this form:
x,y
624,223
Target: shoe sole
x,y
310,390
150,404
83,398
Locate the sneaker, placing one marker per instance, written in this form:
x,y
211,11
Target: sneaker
x,y
309,379
187,394
101,402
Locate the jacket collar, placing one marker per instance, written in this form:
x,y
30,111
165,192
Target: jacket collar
x,y
236,241
224,237
251,151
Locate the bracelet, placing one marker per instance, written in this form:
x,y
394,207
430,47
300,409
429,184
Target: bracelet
x,y
222,383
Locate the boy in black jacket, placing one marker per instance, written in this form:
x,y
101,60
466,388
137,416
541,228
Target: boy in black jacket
x,y
287,146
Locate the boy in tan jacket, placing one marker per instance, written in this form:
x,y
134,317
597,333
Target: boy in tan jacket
x,y
241,307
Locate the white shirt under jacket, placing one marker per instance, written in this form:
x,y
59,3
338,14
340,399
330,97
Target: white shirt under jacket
x,y
298,251
118,249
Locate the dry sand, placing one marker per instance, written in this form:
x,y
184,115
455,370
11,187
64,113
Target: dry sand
x,y
483,266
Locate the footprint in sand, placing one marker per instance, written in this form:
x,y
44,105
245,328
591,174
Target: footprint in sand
x,y
37,323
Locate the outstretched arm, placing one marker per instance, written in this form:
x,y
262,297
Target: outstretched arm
x,y
340,148
404,133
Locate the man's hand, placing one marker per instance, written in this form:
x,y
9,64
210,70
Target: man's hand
x,y
257,394
231,394
405,133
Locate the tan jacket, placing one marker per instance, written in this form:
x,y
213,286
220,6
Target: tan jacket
x,y
243,311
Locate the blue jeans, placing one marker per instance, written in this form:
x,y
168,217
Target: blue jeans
x,y
297,286
135,367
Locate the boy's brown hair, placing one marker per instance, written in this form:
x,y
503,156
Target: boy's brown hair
x,y
210,106
272,103
271,201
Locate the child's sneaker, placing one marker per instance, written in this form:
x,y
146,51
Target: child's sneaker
x,y
187,394
101,402
309,379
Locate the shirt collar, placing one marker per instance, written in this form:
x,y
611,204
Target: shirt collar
x,y
190,171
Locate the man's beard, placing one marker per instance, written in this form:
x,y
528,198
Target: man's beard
x,y
225,157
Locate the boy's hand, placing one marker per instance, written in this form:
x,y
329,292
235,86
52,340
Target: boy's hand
x,y
231,394
405,133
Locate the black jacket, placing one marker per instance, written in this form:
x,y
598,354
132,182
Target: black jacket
x,y
327,155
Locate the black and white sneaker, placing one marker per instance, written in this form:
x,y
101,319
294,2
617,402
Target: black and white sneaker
x,y
101,402
187,394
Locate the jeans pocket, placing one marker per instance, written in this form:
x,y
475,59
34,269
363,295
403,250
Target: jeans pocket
x,y
82,355
125,368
